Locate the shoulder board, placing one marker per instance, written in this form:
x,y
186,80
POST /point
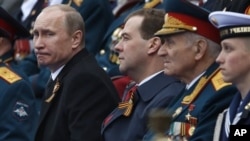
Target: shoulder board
x,y
8,75
218,81
152,4
247,10
78,2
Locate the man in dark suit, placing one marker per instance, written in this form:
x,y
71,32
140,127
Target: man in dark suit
x,y
97,16
19,116
80,94
107,56
138,58
191,45
234,63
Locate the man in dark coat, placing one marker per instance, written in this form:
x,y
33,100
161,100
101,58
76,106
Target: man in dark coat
x,y
139,60
97,16
191,45
79,94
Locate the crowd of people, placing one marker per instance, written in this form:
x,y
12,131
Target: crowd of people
x,y
127,70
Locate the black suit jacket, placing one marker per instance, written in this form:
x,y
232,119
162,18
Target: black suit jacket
x,y
84,98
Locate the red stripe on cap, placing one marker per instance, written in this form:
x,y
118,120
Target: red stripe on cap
x,y
204,28
7,28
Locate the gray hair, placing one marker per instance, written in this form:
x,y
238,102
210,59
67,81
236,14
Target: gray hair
x,y
213,48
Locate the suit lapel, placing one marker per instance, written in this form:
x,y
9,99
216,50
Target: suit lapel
x,y
151,88
111,117
46,105
118,112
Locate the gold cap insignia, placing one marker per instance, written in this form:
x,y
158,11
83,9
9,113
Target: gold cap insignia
x,y
173,25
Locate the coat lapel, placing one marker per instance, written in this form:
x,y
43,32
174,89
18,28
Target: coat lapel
x,y
111,117
46,105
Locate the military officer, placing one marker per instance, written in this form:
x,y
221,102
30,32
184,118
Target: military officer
x,y
19,116
235,36
191,45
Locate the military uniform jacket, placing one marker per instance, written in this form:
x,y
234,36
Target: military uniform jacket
x,y
77,102
243,119
19,116
8,58
157,92
195,115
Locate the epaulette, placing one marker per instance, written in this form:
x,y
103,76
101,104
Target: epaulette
x,y
199,87
8,75
76,2
218,81
152,4
247,10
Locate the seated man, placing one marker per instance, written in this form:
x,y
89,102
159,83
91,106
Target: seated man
x,y
191,45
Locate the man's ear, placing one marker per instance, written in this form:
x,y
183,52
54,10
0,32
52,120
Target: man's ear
x,y
76,38
200,48
154,45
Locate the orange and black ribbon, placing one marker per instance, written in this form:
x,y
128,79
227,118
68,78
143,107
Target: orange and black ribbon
x,y
128,102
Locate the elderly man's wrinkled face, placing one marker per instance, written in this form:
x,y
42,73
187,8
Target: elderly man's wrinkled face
x,y
52,43
178,55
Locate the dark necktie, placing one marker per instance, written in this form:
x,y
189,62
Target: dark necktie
x,y
128,101
49,83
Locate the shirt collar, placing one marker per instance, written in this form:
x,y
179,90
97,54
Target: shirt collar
x,y
193,81
149,77
55,74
